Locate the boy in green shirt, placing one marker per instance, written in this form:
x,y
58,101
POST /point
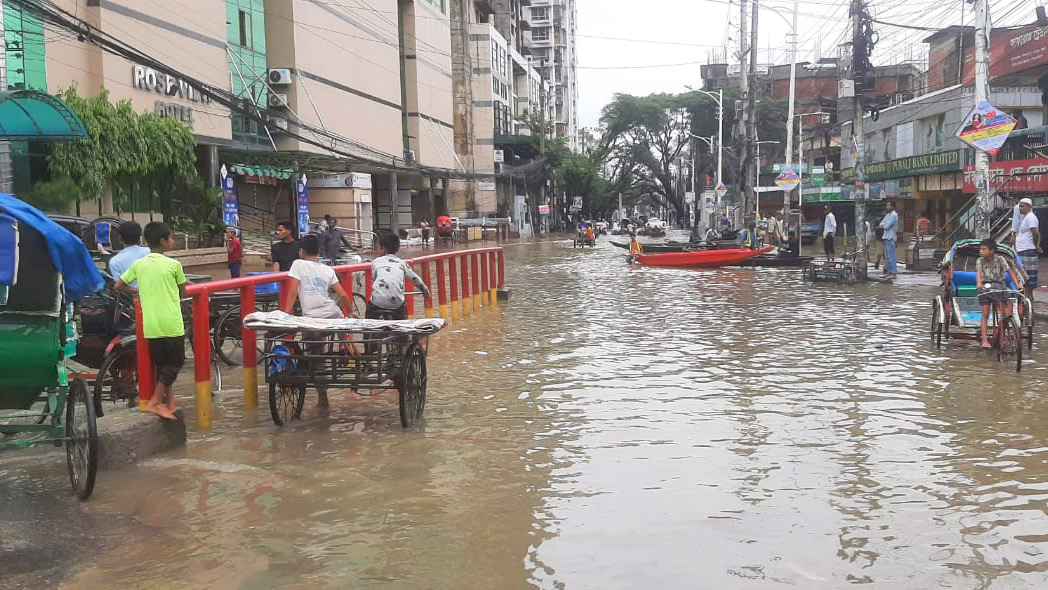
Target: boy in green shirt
x,y
161,285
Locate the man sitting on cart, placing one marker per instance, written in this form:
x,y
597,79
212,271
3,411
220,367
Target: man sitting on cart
x,y
389,272
990,271
312,283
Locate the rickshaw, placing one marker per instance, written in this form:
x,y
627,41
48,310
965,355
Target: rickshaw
x,y
353,353
43,271
584,236
956,312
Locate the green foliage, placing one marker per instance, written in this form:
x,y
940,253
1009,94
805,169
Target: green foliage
x,y
53,195
137,156
197,211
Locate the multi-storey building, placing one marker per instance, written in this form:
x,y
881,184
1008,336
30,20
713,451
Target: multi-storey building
x,y
553,47
358,96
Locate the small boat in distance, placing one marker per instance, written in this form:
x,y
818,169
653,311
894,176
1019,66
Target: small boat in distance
x,y
702,258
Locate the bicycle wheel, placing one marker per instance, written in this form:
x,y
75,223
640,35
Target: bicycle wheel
x,y
286,402
412,385
117,379
998,331
81,442
229,336
1012,341
360,306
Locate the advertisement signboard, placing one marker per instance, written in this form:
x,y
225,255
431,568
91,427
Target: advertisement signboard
x,y
302,198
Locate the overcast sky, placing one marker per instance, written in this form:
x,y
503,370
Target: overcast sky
x,y
705,22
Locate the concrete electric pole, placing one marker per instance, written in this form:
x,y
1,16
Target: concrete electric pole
x,y
983,206
751,116
790,113
743,132
859,65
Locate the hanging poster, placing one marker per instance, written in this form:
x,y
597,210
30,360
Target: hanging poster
x,y
986,128
302,198
230,205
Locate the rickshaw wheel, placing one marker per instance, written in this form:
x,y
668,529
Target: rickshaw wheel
x,y
286,402
1012,342
119,373
412,385
936,331
228,336
81,443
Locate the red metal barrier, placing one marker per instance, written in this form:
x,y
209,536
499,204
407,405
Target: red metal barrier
x,y
461,265
427,302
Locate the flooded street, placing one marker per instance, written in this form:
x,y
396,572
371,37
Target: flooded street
x,y
607,428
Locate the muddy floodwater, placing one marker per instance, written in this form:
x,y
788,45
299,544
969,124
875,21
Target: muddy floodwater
x,y
607,428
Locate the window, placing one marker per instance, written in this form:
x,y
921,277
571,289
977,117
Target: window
x,y
540,34
245,29
540,13
438,4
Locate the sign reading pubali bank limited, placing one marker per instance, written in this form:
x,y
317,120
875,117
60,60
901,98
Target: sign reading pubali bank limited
x,y
148,79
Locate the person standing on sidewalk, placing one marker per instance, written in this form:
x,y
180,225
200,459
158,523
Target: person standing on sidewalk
x,y
890,225
829,229
234,252
1028,244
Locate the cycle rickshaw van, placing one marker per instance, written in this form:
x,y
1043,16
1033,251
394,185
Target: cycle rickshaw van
x,y
44,270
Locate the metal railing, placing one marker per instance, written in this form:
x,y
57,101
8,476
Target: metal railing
x,y
461,282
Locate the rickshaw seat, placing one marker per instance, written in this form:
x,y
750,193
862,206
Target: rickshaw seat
x,y
964,284
36,288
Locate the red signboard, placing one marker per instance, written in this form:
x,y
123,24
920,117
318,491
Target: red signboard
x,y
1014,176
1011,51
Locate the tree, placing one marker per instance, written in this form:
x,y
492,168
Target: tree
x,y
643,139
139,157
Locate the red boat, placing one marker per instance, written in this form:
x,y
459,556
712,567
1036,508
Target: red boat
x,y
701,258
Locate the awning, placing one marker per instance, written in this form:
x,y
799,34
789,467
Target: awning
x,y
26,114
263,171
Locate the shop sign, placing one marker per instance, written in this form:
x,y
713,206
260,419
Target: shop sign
x,y
779,166
915,165
818,176
343,180
486,184
1011,51
1013,176
543,209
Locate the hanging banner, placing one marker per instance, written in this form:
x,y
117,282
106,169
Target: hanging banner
x,y
788,180
986,128
818,176
230,205
302,197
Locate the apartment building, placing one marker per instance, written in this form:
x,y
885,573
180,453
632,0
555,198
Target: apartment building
x,y
497,88
553,47
357,96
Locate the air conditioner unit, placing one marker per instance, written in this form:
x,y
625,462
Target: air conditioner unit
x,y
278,123
277,100
409,155
279,76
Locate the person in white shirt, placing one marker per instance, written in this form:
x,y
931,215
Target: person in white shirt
x,y
312,283
1028,244
388,273
829,229
131,235
890,225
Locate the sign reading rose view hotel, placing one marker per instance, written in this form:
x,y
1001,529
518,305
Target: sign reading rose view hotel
x,y
144,78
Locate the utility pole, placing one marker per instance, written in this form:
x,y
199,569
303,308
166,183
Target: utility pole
x,y
744,127
859,62
789,116
983,206
751,105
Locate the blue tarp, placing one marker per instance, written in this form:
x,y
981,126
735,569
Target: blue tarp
x,y
69,254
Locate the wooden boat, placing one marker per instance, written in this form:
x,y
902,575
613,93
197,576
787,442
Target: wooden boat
x,y
672,246
776,261
702,258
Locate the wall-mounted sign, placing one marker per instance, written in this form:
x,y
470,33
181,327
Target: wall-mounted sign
x,y
173,110
914,165
230,204
543,209
1012,176
500,156
486,184
145,78
302,196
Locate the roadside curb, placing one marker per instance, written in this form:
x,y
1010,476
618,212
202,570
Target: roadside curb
x,y
126,437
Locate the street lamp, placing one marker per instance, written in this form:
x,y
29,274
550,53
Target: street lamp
x,y
719,99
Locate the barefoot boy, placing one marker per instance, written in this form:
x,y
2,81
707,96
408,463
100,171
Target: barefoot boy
x,y
161,284
990,271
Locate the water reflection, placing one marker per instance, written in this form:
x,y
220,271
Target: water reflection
x,y
610,427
